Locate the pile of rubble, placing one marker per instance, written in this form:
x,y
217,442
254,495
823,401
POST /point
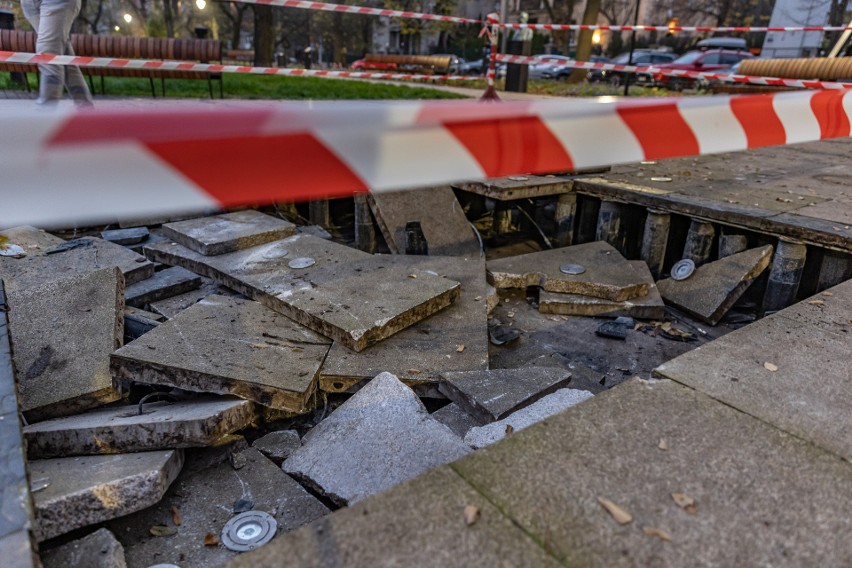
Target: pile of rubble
x,y
190,392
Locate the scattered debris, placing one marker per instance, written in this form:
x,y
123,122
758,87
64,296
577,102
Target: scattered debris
x,y
620,516
658,533
685,502
472,513
770,367
663,445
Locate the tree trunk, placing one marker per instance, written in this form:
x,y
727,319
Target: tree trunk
x,y
237,22
169,18
338,38
264,41
584,40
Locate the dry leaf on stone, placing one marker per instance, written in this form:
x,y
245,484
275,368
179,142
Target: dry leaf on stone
x,y
477,299
211,539
685,502
827,294
770,367
663,445
176,518
510,429
621,516
460,348
471,514
414,371
816,302
412,276
659,533
160,530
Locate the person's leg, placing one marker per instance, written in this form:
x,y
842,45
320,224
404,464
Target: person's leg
x,y
74,79
52,35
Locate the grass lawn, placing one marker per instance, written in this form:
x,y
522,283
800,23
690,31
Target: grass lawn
x,y
240,86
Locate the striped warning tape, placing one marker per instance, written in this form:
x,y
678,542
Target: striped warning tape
x,y
709,76
347,9
109,163
646,28
81,61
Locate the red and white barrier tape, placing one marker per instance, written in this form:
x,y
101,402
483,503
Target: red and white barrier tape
x,y
63,167
646,28
81,61
346,9
719,76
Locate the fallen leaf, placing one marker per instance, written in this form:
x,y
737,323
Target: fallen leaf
x,y
510,429
770,367
816,302
621,516
460,348
827,294
685,502
296,349
160,530
663,445
176,518
477,299
511,314
259,345
412,276
211,539
471,514
659,533
414,371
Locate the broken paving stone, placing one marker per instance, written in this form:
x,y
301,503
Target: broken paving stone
x,y
502,334
162,425
164,284
546,407
715,287
228,232
170,307
612,329
97,550
228,346
315,231
456,418
82,491
347,295
380,437
607,274
645,307
216,453
126,236
493,395
63,333
206,502
278,445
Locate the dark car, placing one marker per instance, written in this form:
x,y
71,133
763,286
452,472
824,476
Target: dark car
x,y
641,57
563,72
709,61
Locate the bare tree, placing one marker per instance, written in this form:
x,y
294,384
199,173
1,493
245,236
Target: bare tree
x,y
584,40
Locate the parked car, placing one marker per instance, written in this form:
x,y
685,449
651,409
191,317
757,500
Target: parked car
x,y
712,60
361,65
546,69
563,72
476,67
456,63
641,57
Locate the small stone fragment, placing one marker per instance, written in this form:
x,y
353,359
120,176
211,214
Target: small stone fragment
x,y
663,445
456,419
131,236
278,445
770,367
685,502
612,330
471,514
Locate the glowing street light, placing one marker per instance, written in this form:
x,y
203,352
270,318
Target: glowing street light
x,y
128,18
596,37
201,4
118,29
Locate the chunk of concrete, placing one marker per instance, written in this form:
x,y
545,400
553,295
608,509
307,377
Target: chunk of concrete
x,y
120,429
126,236
228,232
380,437
170,307
163,284
606,274
456,418
715,287
552,404
645,307
33,241
205,501
444,224
228,346
454,339
347,295
278,445
89,254
63,333
493,395
82,491
97,550
315,231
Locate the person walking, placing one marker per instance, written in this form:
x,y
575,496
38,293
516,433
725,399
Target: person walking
x,y
51,20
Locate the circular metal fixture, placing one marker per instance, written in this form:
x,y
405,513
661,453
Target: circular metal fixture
x,y
303,262
683,269
248,531
275,252
572,269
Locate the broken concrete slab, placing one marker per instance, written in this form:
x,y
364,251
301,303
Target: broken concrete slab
x,y
715,287
603,272
830,310
228,232
228,346
170,307
97,550
82,491
494,394
222,450
278,445
454,339
33,241
126,236
63,333
356,303
121,429
314,231
163,284
456,419
552,404
645,307
445,226
380,437
205,501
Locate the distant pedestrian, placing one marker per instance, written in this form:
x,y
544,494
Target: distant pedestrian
x,y
51,20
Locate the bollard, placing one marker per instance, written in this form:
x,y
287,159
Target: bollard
x,y
566,210
415,240
731,244
320,213
609,224
365,231
654,241
784,276
836,267
699,242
